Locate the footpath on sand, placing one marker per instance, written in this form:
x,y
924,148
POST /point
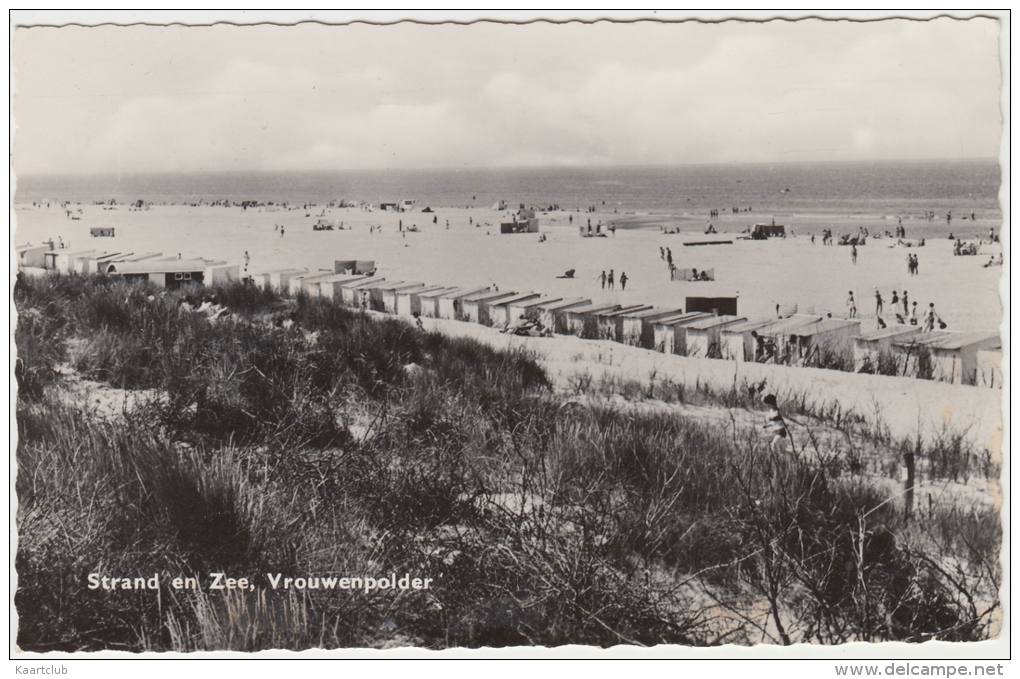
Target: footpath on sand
x,y
907,407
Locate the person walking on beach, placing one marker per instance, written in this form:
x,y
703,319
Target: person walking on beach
x,y
906,303
851,305
913,314
775,425
917,266
853,254
662,253
603,278
623,280
247,260
910,265
610,279
878,303
930,317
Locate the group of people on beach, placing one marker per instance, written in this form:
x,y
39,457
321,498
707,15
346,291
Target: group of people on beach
x,y
913,265
909,316
610,279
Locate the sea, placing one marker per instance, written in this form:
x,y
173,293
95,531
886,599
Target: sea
x,y
909,188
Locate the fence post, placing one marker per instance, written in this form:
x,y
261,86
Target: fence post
x,y
908,487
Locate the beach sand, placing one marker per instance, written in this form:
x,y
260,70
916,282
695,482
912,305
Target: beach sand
x,y
762,273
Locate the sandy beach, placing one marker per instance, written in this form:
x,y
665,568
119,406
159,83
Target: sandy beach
x,y
790,271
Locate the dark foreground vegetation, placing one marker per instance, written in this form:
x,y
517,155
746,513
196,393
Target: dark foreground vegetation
x,y
350,445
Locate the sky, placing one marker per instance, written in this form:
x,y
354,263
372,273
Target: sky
x,y
313,97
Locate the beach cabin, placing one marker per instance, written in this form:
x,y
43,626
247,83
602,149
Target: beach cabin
x,y
32,256
829,343
955,356
376,291
409,301
389,294
581,320
670,333
610,323
722,306
97,263
704,336
873,349
279,279
523,221
352,292
989,368
354,266
736,343
429,301
167,273
221,273
298,282
451,304
101,231
64,260
553,314
772,342
475,308
499,313
638,326
913,354
330,286
527,308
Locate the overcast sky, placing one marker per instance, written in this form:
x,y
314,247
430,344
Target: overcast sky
x,y
313,97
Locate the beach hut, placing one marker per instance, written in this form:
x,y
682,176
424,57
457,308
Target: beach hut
x,y
32,256
297,282
873,349
375,292
355,292
429,301
388,294
167,273
222,273
610,323
527,308
64,260
638,326
704,335
330,286
499,312
409,300
581,320
279,279
451,303
553,314
101,232
763,231
722,306
955,356
475,308
829,343
989,368
772,342
913,354
692,274
736,343
97,263
670,333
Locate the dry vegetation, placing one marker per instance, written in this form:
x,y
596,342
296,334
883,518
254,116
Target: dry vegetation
x,y
351,445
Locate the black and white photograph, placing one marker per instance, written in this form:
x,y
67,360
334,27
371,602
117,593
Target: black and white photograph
x,y
652,332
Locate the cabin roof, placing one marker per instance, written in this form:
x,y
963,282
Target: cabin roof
x,y
458,293
147,267
518,297
489,296
888,332
423,290
825,325
633,308
438,292
537,302
652,313
959,340
564,304
713,322
923,338
682,319
593,308
750,324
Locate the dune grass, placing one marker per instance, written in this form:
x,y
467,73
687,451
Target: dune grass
x,y
350,445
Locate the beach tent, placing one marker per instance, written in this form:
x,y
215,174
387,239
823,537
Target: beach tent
x,y
409,300
499,312
553,314
581,321
527,308
989,368
704,335
670,333
451,304
610,323
723,306
637,326
475,308
874,348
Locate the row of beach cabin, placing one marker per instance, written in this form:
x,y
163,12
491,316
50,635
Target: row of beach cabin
x,y
705,327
